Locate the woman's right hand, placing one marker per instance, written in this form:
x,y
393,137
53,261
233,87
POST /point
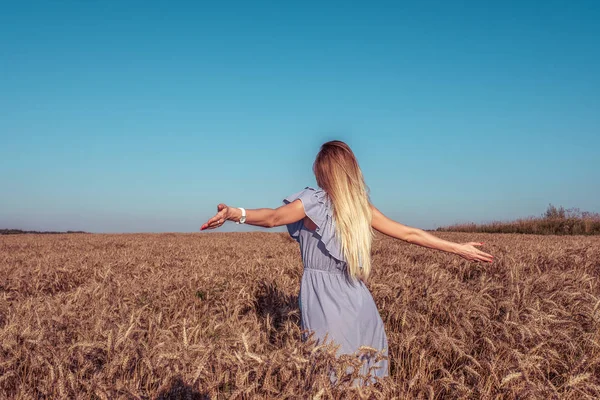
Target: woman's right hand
x,y
224,213
469,252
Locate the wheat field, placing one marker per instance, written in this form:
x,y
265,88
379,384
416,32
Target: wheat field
x,y
215,316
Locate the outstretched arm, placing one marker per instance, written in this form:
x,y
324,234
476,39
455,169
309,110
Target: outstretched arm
x,y
419,237
265,217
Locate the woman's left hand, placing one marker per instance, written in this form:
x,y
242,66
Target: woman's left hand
x,y
223,214
469,252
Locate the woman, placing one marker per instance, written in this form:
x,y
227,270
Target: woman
x,y
334,226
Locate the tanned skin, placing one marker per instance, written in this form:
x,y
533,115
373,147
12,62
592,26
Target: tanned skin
x,y
294,211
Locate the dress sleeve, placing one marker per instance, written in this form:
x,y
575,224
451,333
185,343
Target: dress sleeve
x,y
318,208
313,203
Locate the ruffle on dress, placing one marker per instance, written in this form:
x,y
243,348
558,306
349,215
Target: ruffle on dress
x,y
317,207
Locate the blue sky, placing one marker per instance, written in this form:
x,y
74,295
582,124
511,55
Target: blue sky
x,y
122,116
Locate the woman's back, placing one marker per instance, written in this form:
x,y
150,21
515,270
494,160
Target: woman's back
x,y
331,303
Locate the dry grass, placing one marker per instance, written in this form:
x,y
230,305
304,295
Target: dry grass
x,y
216,316
532,225
555,221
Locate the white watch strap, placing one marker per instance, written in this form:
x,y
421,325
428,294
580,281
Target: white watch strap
x,y
243,219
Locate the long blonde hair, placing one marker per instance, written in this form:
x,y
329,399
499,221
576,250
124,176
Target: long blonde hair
x,y
339,175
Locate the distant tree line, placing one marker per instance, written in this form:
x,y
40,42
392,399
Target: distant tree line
x,y
22,232
554,221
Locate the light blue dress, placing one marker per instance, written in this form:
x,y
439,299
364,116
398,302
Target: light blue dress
x,y
330,301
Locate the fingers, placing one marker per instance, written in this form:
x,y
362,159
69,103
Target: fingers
x,y
484,256
218,220
213,223
219,217
214,220
479,255
474,254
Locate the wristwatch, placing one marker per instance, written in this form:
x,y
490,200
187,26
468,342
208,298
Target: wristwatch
x,y
243,218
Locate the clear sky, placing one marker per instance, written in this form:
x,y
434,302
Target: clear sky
x,y
137,116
